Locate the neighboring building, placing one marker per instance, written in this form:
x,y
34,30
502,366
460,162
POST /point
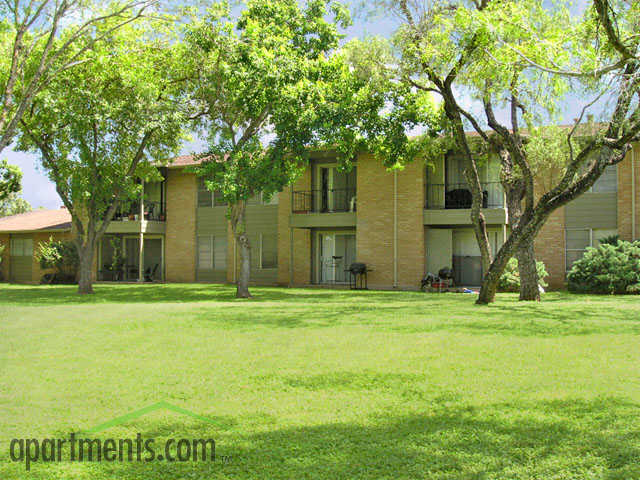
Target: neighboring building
x,y
21,234
401,224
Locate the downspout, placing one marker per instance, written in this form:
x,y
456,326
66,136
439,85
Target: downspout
x,y
395,229
141,241
633,194
291,237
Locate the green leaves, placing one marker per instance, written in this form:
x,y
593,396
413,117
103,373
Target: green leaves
x,y
10,178
268,85
111,119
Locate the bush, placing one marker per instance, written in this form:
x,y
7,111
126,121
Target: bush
x,y
610,240
510,279
609,268
60,255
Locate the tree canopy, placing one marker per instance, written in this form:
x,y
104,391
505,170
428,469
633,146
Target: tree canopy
x,y
272,85
108,122
504,69
41,39
10,180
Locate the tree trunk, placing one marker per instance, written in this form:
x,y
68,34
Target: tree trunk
x,y
85,277
529,281
245,266
492,276
238,225
525,254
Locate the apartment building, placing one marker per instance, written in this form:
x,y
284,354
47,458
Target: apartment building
x,y
401,224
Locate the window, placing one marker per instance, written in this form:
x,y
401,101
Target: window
x,y
21,247
220,253
268,251
212,252
577,242
218,201
208,199
608,181
272,201
261,199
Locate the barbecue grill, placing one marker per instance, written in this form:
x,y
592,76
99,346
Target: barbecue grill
x,y
358,276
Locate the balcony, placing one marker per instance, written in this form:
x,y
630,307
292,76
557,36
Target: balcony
x,y
324,201
458,196
450,204
127,220
153,211
325,208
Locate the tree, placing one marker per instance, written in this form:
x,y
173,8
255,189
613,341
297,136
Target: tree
x,y
14,205
265,78
41,39
106,123
525,56
10,178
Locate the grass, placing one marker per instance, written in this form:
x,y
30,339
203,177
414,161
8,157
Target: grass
x,y
327,384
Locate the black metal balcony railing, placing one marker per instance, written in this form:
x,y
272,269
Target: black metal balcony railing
x,y
324,201
458,195
154,211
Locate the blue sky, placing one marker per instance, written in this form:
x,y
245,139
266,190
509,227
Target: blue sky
x,y
39,191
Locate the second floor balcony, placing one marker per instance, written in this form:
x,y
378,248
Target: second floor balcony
x,y
151,211
458,196
337,200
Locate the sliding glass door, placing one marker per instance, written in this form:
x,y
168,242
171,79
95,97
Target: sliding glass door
x,y
336,252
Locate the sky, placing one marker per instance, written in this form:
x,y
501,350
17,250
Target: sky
x,y
39,191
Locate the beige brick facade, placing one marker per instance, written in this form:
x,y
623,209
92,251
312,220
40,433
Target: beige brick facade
x,y
550,248
411,239
625,196
180,237
301,239
37,237
374,228
389,225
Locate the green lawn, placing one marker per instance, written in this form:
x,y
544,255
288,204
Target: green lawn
x,y
327,384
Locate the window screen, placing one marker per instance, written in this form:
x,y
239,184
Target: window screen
x,y
218,201
269,251
220,253
204,195
21,247
205,253
608,182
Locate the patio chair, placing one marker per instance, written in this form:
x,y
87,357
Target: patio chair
x,y
150,274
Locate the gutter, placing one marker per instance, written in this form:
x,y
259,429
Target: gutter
x,y
395,229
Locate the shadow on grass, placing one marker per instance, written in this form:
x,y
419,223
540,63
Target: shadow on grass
x,y
399,312
185,293
553,439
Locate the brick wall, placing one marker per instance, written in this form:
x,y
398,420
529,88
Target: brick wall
x,y
625,191
374,231
411,234
180,240
301,238
550,248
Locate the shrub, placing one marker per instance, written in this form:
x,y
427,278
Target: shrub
x,y
611,269
60,255
610,240
510,279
